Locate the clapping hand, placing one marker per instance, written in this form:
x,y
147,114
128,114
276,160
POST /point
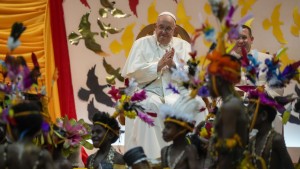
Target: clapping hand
x,y
166,60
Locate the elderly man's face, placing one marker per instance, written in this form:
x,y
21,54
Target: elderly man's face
x,y
244,41
165,29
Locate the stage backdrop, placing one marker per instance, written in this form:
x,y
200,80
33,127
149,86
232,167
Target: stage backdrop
x,y
273,27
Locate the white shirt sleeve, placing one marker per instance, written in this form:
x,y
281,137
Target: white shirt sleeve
x,y
138,66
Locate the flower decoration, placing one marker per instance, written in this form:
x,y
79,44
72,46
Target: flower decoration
x,y
74,133
128,103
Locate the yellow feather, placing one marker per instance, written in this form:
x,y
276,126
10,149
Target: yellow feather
x,y
249,22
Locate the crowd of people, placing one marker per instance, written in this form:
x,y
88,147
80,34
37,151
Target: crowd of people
x,y
189,117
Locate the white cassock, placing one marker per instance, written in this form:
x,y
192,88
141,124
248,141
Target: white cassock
x,y
141,65
262,80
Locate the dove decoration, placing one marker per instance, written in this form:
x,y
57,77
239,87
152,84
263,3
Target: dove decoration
x,y
107,29
109,8
87,36
246,6
85,3
183,18
113,73
152,13
295,29
94,88
125,42
275,23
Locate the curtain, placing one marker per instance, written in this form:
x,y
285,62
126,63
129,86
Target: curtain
x,y
36,38
62,61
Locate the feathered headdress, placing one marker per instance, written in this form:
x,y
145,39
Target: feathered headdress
x,y
259,96
183,111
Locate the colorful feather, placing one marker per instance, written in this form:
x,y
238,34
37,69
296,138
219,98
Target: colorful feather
x,y
146,118
139,96
173,88
115,93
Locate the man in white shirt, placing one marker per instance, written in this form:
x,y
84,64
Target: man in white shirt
x,y
149,63
245,40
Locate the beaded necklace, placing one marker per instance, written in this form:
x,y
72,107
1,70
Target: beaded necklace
x,y
173,165
108,158
268,138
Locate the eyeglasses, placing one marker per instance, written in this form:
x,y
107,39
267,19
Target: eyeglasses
x,y
166,29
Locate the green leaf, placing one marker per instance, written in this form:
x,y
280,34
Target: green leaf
x,y
87,145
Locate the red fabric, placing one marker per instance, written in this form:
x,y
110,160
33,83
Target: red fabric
x,y
62,62
84,156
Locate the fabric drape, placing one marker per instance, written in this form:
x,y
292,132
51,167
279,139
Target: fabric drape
x,y
62,61
34,14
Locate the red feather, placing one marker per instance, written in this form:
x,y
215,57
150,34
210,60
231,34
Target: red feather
x,y
133,4
85,3
34,60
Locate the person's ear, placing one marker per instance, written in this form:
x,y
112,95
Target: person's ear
x,y
110,135
252,39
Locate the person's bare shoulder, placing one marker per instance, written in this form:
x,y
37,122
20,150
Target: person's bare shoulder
x,y
191,151
63,164
118,159
234,104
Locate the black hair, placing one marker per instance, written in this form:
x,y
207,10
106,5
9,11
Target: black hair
x,y
271,112
249,29
105,118
32,122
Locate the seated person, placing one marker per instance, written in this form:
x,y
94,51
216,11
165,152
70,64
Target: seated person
x,y
179,121
231,122
24,122
149,63
105,131
267,143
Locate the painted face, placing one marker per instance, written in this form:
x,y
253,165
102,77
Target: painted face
x,y
245,40
98,134
170,130
164,29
